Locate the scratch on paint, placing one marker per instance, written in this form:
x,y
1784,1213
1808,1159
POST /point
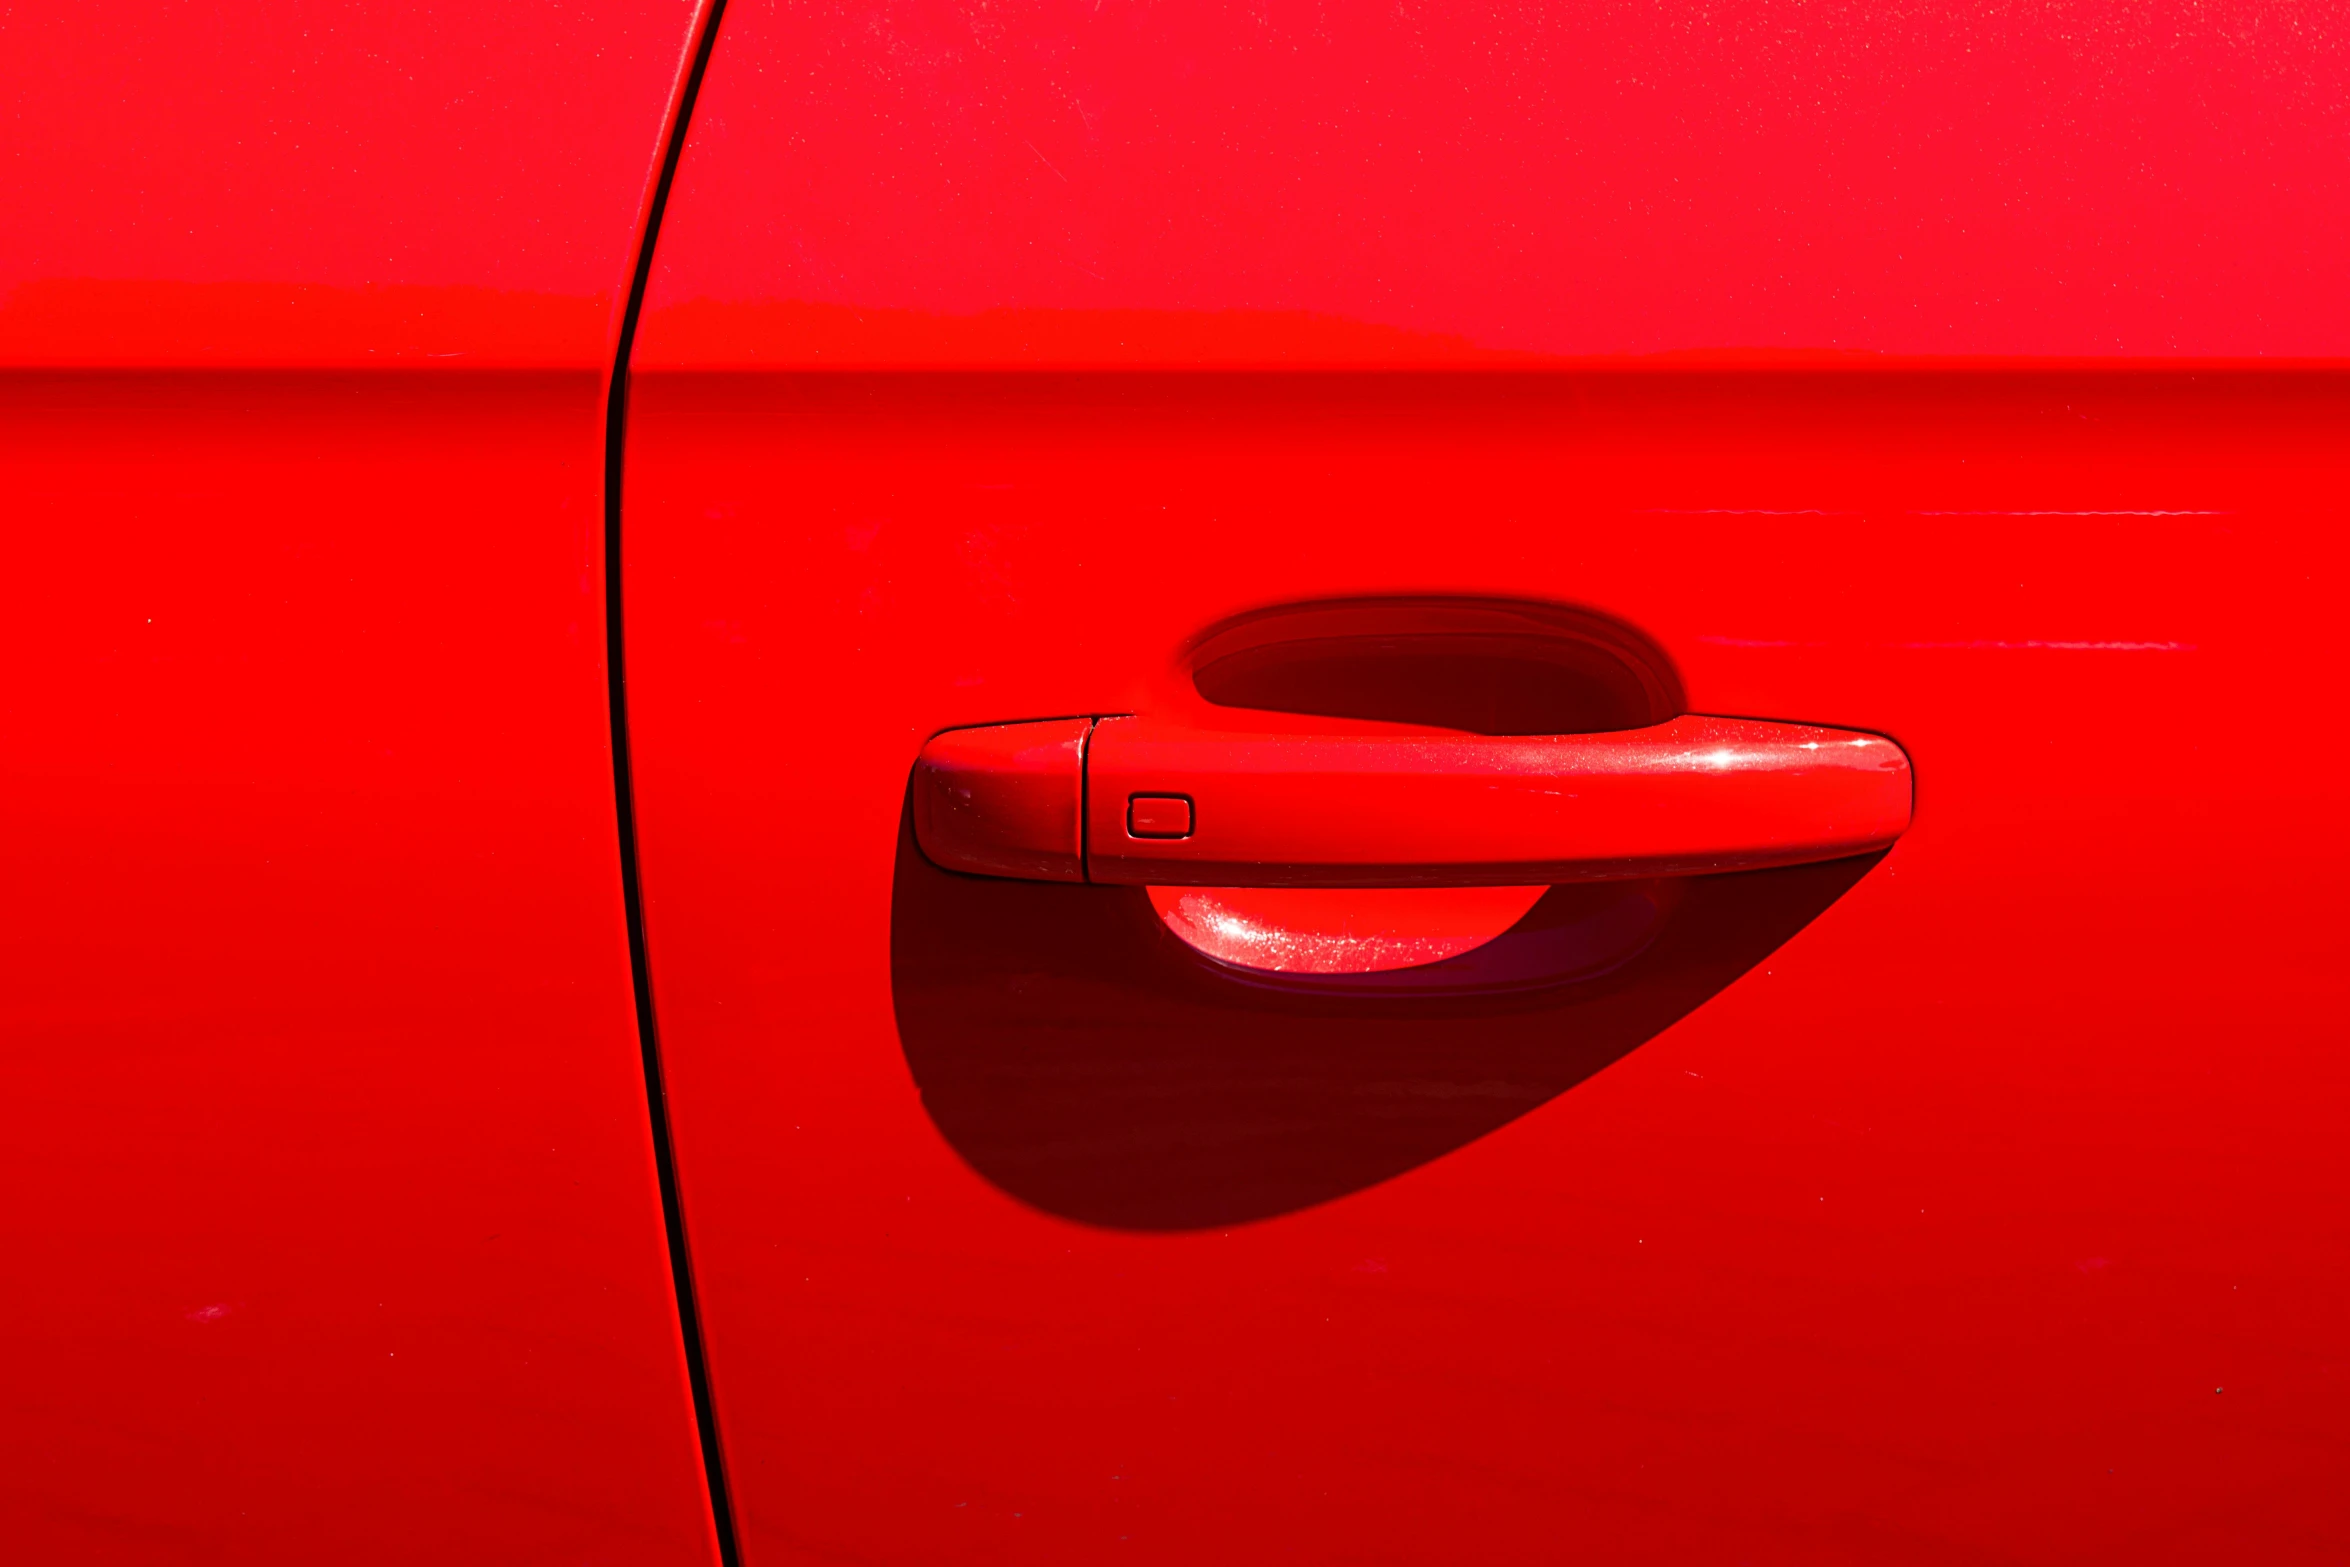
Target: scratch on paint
x,y
2061,647
1047,162
2029,644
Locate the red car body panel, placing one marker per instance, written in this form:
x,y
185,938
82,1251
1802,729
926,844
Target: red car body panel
x,y
1048,182
1982,1205
1939,1231
333,1229
1976,379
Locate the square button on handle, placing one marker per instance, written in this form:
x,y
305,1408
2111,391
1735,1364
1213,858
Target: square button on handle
x,y
1158,816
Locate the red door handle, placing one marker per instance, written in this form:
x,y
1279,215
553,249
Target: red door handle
x,y
1131,800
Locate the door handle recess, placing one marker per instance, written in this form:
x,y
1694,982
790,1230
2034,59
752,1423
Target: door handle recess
x,y
1137,801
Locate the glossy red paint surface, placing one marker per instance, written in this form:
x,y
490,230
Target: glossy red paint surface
x,y
1056,182
332,1227
1691,796
346,184
1170,805
1981,1202
1353,930
1985,1205
1005,799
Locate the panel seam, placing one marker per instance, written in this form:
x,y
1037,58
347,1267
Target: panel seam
x,y
696,61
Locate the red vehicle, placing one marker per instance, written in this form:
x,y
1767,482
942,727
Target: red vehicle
x,y
1083,782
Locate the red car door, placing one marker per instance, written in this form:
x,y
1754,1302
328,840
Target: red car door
x,y
1444,381
332,1221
